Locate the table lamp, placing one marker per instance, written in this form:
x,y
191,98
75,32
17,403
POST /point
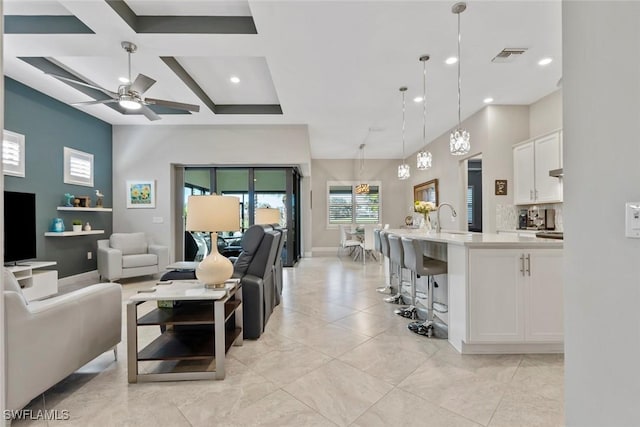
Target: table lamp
x,y
267,216
212,214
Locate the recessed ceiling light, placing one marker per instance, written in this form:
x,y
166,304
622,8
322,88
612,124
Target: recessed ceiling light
x,y
451,60
123,79
488,100
234,79
418,99
545,61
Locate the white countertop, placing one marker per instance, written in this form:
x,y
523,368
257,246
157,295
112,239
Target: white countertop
x,y
479,240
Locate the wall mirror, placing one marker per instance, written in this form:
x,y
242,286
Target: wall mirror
x,y
427,191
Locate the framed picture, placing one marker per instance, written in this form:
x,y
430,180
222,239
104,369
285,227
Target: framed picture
x,y
501,187
427,191
141,194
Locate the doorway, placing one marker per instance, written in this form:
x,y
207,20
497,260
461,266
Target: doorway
x,y
474,193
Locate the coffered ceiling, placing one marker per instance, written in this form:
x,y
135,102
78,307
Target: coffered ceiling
x,y
335,66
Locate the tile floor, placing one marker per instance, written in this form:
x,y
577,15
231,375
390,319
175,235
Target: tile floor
x,y
333,354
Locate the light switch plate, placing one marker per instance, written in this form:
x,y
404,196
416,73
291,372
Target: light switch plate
x,y
632,220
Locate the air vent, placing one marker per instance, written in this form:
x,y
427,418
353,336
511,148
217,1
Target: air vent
x,y
509,54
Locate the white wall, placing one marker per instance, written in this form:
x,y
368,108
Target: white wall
x,y
601,85
147,152
494,130
545,115
395,205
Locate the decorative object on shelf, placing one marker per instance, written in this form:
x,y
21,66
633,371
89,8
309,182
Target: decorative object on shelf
x,y
267,216
141,194
425,208
57,225
408,220
427,191
77,225
76,203
501,187
404,171
87,227
215,268
362,188
69,200
459,141
83,201
424,158
99,199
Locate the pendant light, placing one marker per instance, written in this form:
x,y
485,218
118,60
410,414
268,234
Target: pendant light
x,y
459,143
424,158
362,188
404,171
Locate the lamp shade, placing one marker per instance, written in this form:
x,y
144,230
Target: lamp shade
x,y
213,213
267,216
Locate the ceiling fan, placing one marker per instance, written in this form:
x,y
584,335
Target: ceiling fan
x,y
129,95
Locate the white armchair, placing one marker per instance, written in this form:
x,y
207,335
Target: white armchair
x,y
48,340
129,255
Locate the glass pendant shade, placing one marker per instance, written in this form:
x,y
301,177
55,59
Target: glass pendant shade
x,y
404,171
424,160
459,143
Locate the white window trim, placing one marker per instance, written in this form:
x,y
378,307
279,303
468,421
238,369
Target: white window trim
x,y
69,178
19,169
353,185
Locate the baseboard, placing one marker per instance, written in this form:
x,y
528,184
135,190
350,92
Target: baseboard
x,y
512,348
323,251
86,277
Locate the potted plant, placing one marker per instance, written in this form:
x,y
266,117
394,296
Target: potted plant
x,y
77,225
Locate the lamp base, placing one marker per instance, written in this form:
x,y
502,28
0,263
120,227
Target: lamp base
x,y
215,269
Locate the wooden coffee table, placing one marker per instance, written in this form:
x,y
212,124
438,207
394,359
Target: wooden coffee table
x,y
196,336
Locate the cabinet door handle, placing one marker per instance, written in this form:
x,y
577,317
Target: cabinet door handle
x,y
535,193
528,264
522,264
530,194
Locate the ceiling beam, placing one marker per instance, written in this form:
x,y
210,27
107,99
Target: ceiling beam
x,y
35,24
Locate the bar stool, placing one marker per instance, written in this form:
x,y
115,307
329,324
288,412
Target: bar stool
x,y
396,257
377,243
421,265
384,249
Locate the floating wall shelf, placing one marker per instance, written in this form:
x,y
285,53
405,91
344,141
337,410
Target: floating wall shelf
x,y
72,233
65,208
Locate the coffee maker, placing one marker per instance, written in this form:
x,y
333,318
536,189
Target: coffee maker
x,y
523,219
541,219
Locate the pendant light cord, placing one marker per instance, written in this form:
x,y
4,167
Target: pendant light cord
x,y
459,60
403,123
129,60
424,103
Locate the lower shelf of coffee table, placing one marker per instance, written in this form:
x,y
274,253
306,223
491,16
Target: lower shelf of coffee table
x,y
185,345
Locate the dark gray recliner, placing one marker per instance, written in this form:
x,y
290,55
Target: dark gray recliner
x,y
254,268
277,265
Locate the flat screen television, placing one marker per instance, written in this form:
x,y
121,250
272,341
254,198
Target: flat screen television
x,y
19,226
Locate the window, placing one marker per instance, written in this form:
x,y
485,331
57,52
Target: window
x,y
13,154
344,206
470,204
78,167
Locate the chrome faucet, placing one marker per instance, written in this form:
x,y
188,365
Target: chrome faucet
x,y
453,214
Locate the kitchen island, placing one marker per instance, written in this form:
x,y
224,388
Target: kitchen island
x,y
504,291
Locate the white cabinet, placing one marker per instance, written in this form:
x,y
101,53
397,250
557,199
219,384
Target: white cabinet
x,y
36,283
532,162
515,295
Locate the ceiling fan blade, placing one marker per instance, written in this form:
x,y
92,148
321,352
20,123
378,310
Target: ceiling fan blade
x,y
149,114
78,82
172,104
103,101
142,84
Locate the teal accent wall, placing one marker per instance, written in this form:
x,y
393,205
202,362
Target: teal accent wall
x,y
49,126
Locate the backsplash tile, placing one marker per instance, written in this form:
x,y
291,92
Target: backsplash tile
x,y
507,215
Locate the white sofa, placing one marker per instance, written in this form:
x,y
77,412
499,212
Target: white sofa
x,y
129,255
48,340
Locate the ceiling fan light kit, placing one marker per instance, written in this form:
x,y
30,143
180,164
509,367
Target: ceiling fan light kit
x,y
129,95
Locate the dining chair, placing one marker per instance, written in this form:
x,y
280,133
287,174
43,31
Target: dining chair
x,y
346,242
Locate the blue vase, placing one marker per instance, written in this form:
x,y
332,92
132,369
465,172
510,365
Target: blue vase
x,y
57,225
